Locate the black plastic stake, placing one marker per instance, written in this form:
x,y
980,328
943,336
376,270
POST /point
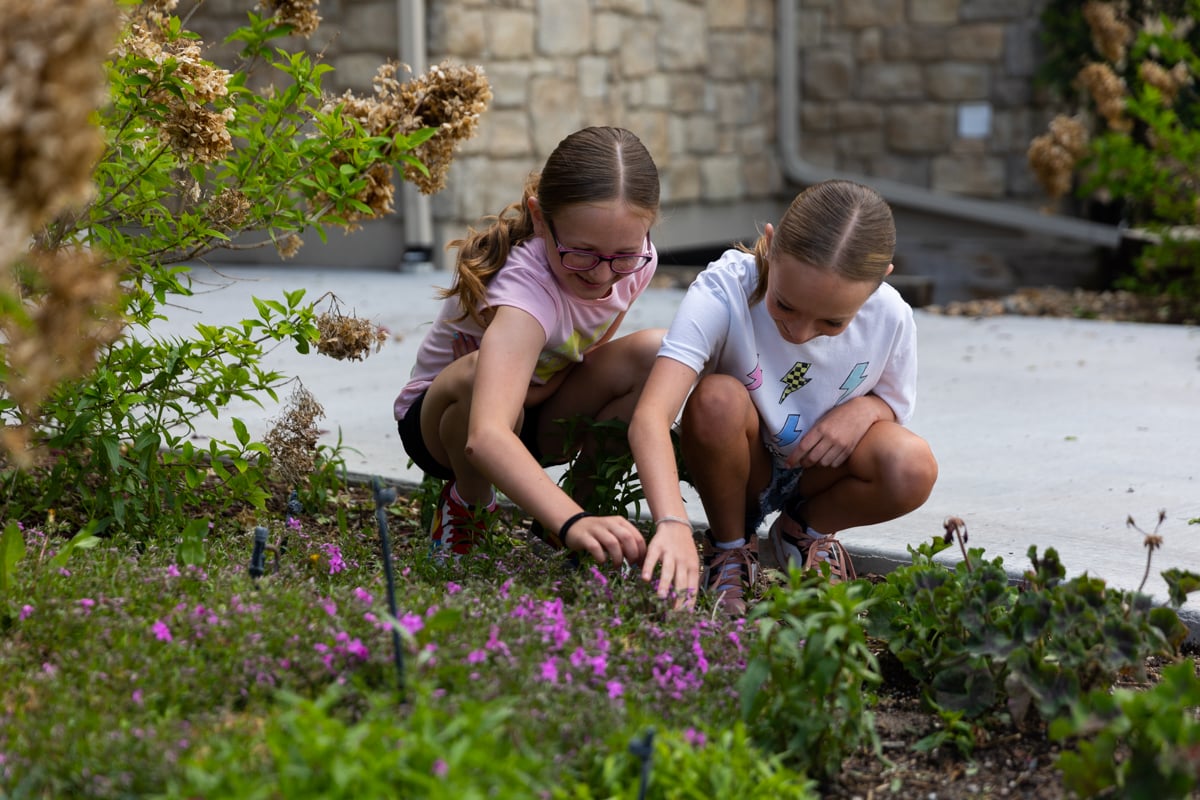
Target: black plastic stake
x,y
383,498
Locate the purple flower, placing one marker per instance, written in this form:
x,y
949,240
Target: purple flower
x,y
137,697
599,576
363,596
330,606
161,631
452,588
334,554
439,768
694,737
615,689
550,669
173,571
26,610
476,656
412,623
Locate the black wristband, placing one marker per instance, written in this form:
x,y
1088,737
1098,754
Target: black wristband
x,y
566,526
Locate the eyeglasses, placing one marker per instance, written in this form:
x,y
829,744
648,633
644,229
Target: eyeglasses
x,y
584,260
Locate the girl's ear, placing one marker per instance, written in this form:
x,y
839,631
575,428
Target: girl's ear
x,y
535,211
889,270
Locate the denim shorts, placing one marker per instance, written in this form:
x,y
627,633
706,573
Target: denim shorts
x,y
783,485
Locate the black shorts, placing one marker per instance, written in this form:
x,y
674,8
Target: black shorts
x,y
414,442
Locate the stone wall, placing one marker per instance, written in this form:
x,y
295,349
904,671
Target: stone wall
x,y
694,79
933,93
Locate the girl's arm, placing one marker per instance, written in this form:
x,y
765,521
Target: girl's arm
x,y
650,440
507,357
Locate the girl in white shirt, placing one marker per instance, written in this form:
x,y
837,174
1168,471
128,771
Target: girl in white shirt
x,y
801,367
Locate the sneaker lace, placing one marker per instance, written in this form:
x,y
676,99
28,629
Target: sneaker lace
x,y
828,550
729,571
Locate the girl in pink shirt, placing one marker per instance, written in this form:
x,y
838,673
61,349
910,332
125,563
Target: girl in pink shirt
x,y
526,338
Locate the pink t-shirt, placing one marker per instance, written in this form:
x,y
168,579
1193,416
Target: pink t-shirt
x,y
526,282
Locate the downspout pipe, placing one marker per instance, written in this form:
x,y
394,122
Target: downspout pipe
x,y
417,210
998,214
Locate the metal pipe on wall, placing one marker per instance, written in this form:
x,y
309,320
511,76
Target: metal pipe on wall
x,y
901,194
416,208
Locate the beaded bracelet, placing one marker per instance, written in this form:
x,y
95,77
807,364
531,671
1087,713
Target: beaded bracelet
x,y
670,518
562,532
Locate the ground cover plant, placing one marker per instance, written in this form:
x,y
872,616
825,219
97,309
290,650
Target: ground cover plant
x,y
173,671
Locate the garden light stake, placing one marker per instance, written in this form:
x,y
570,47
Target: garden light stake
x,y
383,498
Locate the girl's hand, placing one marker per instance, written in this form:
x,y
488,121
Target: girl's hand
x,y
463,344
612,539
673,547
832,441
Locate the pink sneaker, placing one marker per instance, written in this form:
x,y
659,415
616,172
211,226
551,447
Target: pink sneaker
x,y
728,574
457,527
791,543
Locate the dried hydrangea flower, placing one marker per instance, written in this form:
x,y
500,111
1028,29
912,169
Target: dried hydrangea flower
x,y
1054,155
1110,34
347,336
300,14
1108,92
292,439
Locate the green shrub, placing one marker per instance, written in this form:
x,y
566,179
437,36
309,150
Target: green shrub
x,y
808,673
194,157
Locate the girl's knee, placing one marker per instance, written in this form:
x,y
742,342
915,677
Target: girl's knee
x,y
717,404
912,471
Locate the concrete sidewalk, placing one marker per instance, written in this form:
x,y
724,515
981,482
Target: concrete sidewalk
x,y
1048,432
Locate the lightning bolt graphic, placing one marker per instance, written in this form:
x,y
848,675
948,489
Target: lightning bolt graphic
x,y
790,432
854,379
794,379
755,377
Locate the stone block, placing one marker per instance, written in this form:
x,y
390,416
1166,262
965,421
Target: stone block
x,y
758,56
956,80
558,112
608,32
681,181
689,93
721,178
761,174
911,170
890,81
920,128
915,43
652,128
593,76
457,31
564,27
994,9
682,36
726,13
810,27
868,45
510,84
970,175
638,52
870,13
980,41
860,144
933,12
699,134
828,74
819,116
368,26
1021,48
510,34
854,114
726,57
509,133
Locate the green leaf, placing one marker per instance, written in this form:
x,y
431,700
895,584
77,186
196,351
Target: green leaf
x,y
85,539
12,550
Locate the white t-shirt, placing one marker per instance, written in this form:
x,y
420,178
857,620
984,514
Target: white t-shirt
x,y
716,330
572,325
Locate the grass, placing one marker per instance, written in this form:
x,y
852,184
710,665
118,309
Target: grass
x,y
163,670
